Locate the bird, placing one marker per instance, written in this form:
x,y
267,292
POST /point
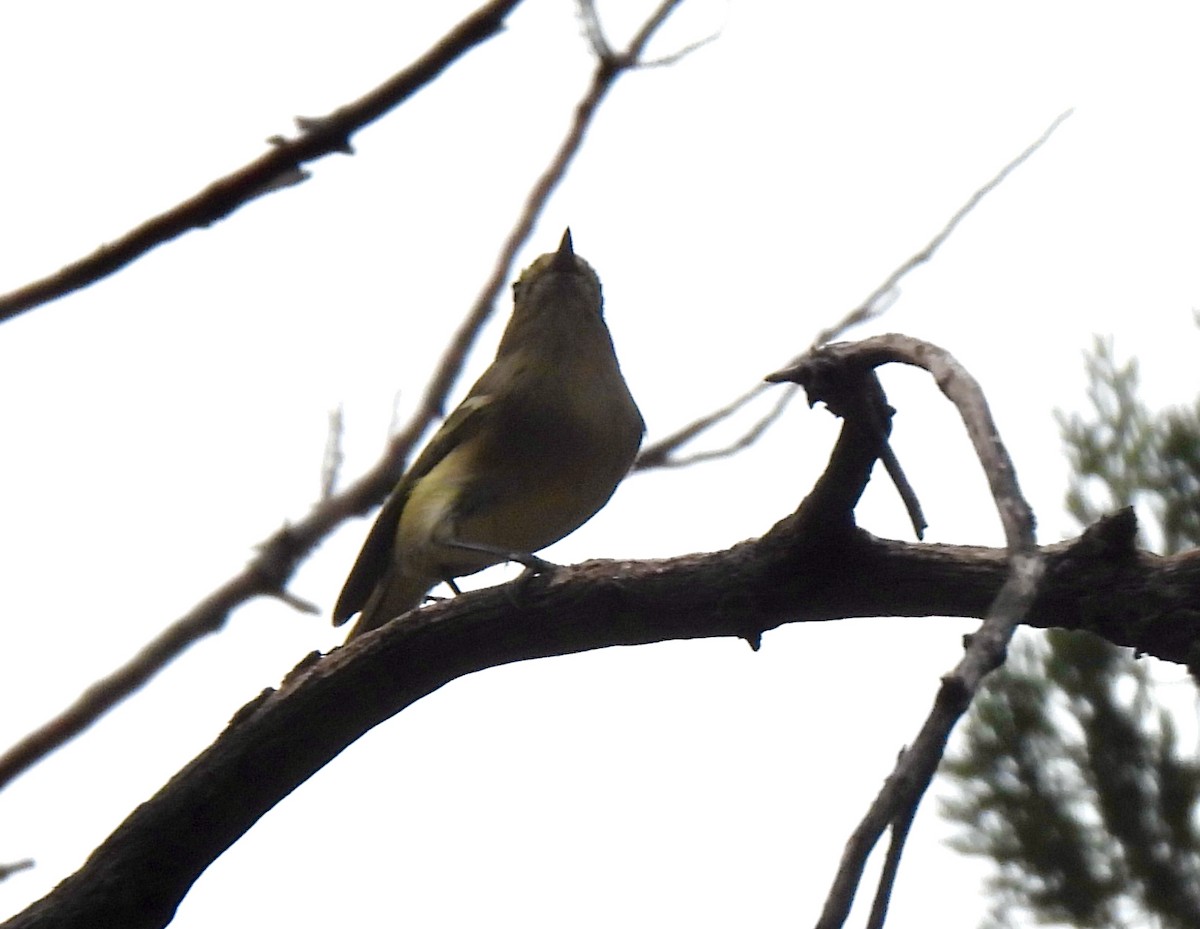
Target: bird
x,y
534,450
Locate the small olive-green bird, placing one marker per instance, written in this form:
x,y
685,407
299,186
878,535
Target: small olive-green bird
x,y
536,448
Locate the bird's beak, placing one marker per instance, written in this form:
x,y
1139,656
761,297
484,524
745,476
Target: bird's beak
x,y
564,258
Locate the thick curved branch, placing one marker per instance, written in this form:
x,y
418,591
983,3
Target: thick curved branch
x,y
799,572
281,554
831,374
807,568
279,167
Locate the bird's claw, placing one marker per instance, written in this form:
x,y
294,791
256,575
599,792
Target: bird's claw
x,y
534,567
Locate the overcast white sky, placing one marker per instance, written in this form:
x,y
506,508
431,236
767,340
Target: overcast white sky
x,y
160,423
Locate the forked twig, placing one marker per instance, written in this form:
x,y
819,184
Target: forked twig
x,y
882,297
875,304
900,795
659,454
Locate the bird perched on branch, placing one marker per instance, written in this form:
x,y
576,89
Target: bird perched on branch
x,y
536,448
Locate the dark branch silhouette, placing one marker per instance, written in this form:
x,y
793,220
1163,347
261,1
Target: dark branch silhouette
x,y
803,570
7,870
891,865
279,167
833,374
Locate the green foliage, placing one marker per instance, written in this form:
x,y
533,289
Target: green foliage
x,y
1069,776
1124,455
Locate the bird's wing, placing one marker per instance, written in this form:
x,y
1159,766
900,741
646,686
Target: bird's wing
x,y
466,420
376,556
372,562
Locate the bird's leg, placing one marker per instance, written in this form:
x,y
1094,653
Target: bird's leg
x,y
449,582
533,564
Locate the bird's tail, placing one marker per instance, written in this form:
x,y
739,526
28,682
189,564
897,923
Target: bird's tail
x,y
396,594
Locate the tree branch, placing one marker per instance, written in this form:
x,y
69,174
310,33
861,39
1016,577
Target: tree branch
x,y
799,572
887,880
278,167
806,569
609,67
882,297
898,800
7,870
875,304
661,453
281,554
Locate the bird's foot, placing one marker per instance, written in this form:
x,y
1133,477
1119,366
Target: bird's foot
x,y
534,567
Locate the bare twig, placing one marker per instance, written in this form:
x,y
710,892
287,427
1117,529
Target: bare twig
x,y
659,455
265,575
299,604
278,167
748,438
907,495
908,782
593,31
268,573
607,71
331,463
891,865
673,58
879,300
904,788
7,870
603,49
882,296
632,57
